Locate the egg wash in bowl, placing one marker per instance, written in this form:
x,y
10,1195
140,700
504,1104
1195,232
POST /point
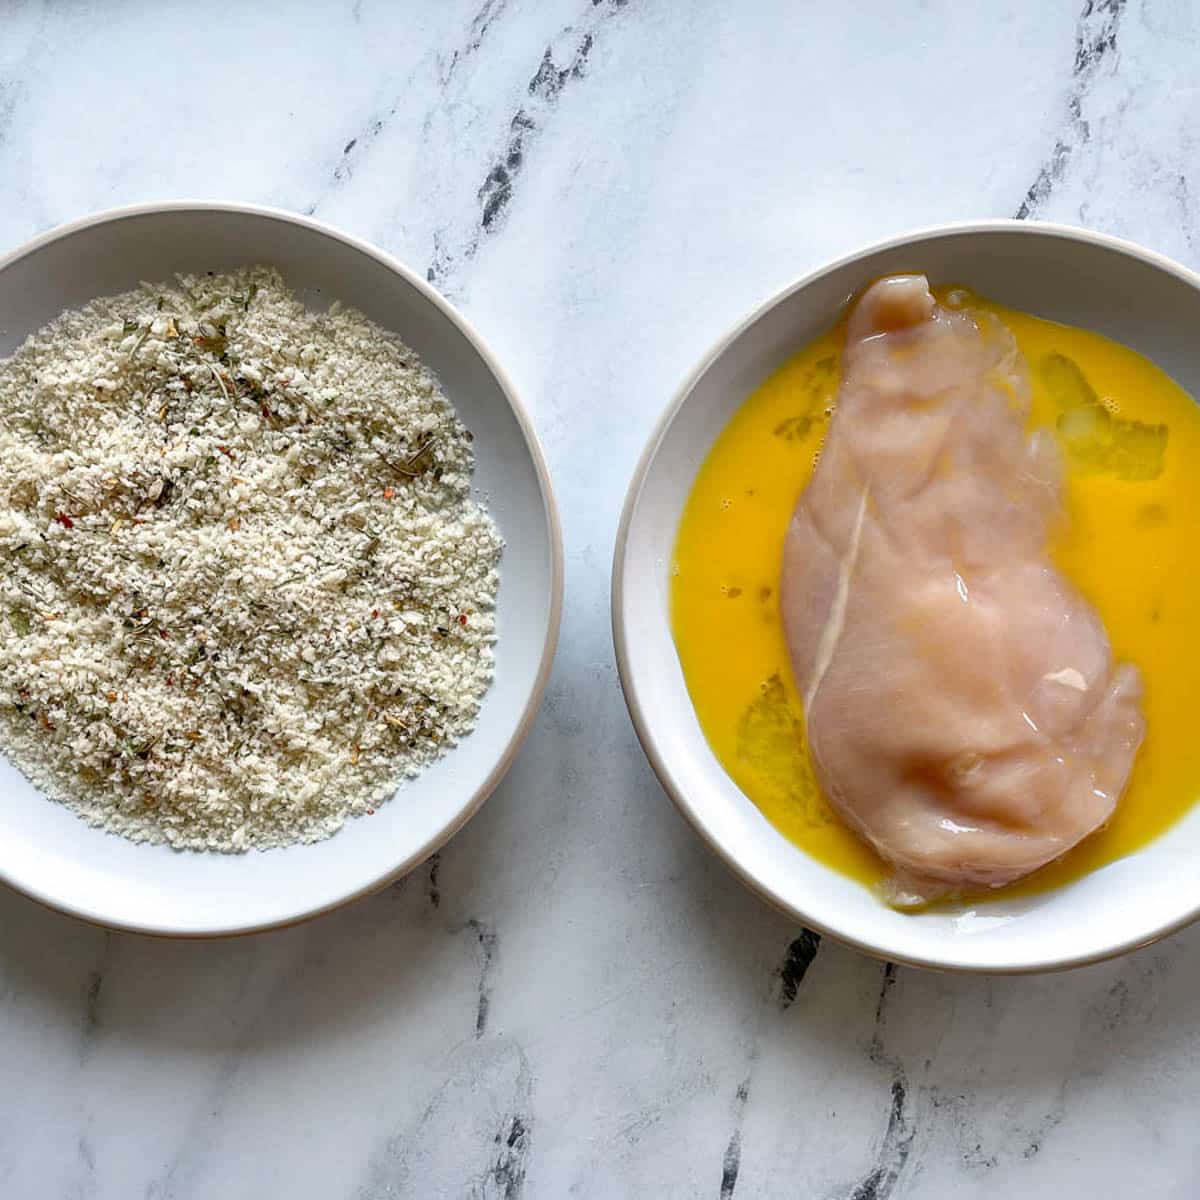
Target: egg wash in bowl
x,y
1127,437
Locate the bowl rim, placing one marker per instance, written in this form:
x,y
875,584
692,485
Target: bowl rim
x,y
644,727
549,506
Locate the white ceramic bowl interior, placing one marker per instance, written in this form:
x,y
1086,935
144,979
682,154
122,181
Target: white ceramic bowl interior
x,y
1067,275
56,858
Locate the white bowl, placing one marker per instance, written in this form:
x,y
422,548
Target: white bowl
x,y
1069,275
55,857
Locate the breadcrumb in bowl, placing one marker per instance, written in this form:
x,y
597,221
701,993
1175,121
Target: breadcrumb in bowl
x,y
231,500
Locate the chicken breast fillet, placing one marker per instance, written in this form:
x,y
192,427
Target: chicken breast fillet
x,y
963,711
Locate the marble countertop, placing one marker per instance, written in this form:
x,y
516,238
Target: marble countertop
x,y
574,997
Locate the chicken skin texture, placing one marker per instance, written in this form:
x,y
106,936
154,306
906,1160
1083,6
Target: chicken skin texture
x,y
964,714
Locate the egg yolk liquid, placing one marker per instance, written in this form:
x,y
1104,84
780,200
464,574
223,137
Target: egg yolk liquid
x,y
1131,443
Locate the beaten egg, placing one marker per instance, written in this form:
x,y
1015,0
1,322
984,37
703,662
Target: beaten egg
x,y
1131,444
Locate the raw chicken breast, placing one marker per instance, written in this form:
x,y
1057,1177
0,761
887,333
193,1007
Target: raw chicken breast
x,y
963,711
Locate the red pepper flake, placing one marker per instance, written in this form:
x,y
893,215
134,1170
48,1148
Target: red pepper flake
x,y
225,450
370,812
462,618
170,681
388,493
65,521
266,412
162,633
374,613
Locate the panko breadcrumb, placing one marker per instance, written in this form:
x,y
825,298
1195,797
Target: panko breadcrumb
x,y
244,588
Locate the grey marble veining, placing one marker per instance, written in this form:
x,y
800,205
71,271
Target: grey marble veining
x,y
574,998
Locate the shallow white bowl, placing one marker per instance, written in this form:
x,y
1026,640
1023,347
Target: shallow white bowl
x,y
1068,275
56,858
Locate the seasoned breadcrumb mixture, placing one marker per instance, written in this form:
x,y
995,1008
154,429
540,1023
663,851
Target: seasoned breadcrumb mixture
x,y
244,588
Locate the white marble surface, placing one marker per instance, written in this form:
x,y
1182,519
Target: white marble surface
x,y
575,998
